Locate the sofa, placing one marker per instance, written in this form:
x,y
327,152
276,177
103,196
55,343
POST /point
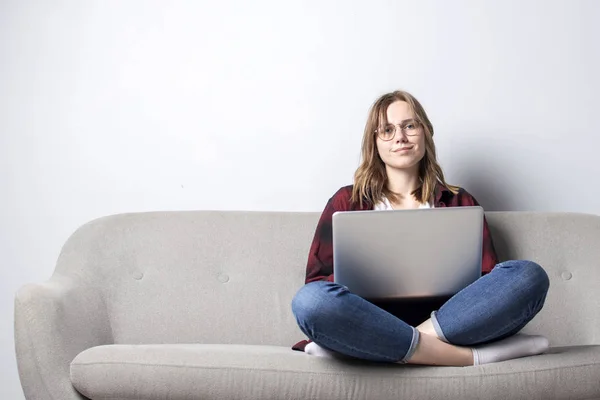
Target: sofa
x,y
196,305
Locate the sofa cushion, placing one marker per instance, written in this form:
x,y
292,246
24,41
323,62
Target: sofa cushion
x,y
200,371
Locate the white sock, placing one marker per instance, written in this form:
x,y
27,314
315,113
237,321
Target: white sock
x,y
515,346
315,350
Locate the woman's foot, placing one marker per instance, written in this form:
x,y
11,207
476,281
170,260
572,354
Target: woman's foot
x,y
515,346
315,350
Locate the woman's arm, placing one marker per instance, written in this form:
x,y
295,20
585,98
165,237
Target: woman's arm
x,y
320,257
489,257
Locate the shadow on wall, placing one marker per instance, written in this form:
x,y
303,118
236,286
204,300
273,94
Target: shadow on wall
x,y
494,194
491,195
492,190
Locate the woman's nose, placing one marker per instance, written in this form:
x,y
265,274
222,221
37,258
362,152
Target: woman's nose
x,y
401,137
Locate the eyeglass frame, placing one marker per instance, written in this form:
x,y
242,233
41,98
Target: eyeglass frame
x,y
402,129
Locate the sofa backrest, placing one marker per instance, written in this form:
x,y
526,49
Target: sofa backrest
x,y
229,277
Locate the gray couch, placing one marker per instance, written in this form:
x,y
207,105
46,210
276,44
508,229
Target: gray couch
x,y
196,305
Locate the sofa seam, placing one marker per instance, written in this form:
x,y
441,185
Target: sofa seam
x,y
322,372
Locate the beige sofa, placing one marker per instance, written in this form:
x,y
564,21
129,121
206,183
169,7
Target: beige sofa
x,y
196,305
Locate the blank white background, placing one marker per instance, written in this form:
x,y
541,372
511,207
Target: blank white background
x,y
120,106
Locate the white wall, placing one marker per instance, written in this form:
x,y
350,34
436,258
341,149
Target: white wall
x,y
117,106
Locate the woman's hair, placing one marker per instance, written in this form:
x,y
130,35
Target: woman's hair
x,y
370,179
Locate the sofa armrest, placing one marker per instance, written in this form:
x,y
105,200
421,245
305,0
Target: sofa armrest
x,y
55,321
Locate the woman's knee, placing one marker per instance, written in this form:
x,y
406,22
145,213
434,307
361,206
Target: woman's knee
x,y
529,274
314,299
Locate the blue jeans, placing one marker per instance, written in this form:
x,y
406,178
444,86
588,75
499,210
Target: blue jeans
x,y
494,307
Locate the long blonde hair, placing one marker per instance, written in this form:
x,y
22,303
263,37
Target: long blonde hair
x,y
370,178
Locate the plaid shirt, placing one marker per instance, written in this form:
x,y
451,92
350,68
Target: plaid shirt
x,y
320,257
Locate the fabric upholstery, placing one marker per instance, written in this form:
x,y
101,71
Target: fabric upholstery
x,y
268,372
223,277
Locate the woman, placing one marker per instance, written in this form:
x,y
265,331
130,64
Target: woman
x,y
478,325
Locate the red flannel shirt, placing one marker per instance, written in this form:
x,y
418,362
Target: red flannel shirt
x,y
320,257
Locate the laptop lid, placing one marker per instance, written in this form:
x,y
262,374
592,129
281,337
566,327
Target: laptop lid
x,y
407,254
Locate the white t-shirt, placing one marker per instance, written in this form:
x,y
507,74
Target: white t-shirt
x,y
385,205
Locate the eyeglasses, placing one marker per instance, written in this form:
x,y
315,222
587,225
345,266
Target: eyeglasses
x,y
388,131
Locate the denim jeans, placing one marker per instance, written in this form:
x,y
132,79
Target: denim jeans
x,y
494,307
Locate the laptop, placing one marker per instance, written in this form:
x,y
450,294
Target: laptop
x,y
407,254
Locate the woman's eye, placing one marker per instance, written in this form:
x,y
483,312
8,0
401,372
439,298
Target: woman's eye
x,y
410,126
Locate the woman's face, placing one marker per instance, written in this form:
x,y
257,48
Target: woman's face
x,y
406,147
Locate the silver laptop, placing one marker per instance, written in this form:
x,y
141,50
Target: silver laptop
x,y
407,254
